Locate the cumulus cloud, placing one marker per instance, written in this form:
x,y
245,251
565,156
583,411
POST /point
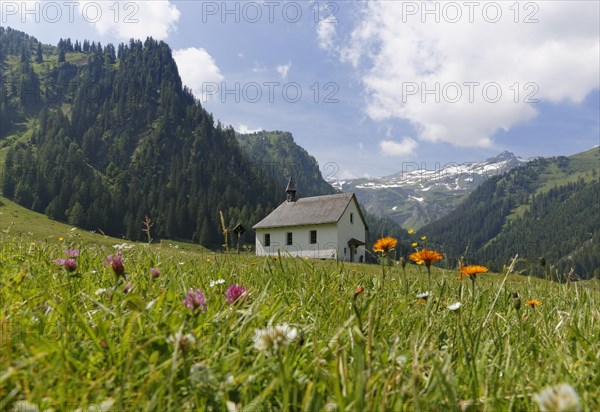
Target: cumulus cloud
x,y
404,148
326,32
463,82
127,19
197,69
243,129
283,70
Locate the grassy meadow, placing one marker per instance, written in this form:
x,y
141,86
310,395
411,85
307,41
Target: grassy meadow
x,y
303,337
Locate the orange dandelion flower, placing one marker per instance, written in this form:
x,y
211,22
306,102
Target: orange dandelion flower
x,y
533,303
472,270
385,244
426,256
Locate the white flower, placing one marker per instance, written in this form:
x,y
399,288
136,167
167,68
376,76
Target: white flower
x,y
123,246
557,398
454,306
213,283
183,342
274,337
424,295
401,360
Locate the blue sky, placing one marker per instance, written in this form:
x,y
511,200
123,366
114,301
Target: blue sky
x,y
365,86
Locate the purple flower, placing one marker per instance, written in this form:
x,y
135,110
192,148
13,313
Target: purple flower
x,y
195,300
154,272
235,293
72,253
127,287
115,263
68,264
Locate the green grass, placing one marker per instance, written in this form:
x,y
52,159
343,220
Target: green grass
x,y
81,341
28,226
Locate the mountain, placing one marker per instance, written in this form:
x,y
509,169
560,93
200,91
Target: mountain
x,y
416,196
278,156
546,211
102,136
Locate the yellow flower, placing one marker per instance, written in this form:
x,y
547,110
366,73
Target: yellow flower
x,y
472,270
423,237
533,303
385,244
60,239
411,231
426,256
414,244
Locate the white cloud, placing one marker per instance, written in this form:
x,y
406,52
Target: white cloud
x,y
404,148
259,68
283,70
127,19
326,32
243,129
345,175
197,69
400,58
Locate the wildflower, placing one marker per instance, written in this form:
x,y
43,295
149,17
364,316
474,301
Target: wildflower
x,y
424,295
561,397
385,245
414,244
154,272
274,337
115,263
72,253
60,239
213,283
123,246
423,238
127,288
401,360
426,256
182,342
358,291
70,265
411,231
533,303
455,306
472,271
234,293
195,301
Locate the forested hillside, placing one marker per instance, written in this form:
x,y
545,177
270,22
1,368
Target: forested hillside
x,y
547,211
277,155
101,137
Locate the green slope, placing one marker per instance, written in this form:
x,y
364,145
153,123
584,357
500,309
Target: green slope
x,y
16,222
279,156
